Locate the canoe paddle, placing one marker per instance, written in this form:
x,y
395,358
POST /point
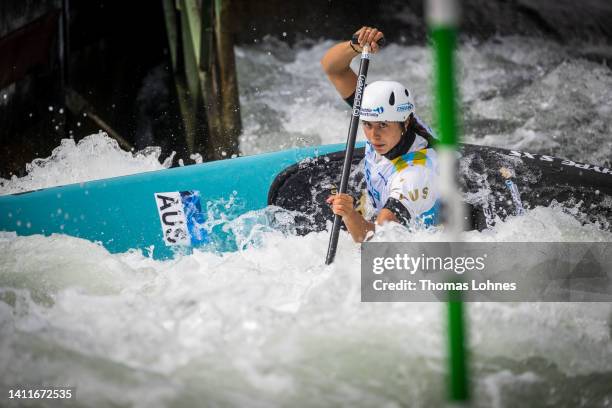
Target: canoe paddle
x,y
350,143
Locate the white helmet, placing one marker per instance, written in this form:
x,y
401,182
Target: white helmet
x,y
386,101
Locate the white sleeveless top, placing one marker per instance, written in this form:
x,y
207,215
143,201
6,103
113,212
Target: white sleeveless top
x,y
410,178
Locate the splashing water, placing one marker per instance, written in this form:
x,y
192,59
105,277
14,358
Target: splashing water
x,y
270,324
94,157
519,93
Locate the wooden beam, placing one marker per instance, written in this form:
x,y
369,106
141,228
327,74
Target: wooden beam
x,y
207,34
231,126
202,51
171,30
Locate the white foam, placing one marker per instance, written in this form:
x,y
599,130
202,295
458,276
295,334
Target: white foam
x,y
94,157
509,87
259,324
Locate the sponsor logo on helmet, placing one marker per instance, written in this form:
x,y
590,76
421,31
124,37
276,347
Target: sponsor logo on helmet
x,y
372,112
405,107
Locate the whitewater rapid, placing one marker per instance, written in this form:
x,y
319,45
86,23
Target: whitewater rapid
x,y
271,325
518,93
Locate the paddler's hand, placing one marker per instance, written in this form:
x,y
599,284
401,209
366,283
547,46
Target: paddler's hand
x,y
370,36
342,205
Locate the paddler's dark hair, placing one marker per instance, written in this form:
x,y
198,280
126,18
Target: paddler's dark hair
x,y
410,129
414,126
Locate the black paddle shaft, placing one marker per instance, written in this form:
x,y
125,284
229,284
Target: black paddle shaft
x,y
350,146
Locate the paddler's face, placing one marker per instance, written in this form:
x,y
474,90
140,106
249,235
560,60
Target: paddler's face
x,y
382,135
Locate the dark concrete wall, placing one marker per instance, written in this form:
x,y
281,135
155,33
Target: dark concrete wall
x,y
117,49
28,81
117,61
16,14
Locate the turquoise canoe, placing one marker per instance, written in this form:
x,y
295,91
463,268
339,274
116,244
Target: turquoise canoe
x,y
160,211
170,211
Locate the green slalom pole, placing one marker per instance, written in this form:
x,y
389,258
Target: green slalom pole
x,y
458,376
444,40
443,16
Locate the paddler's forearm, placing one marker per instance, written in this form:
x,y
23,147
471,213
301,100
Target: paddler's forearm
x,y
358,226
337,59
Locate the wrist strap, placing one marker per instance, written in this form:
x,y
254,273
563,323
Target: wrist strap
x,y
353,47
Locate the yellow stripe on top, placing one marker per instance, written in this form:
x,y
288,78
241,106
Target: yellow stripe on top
x,y
418,158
